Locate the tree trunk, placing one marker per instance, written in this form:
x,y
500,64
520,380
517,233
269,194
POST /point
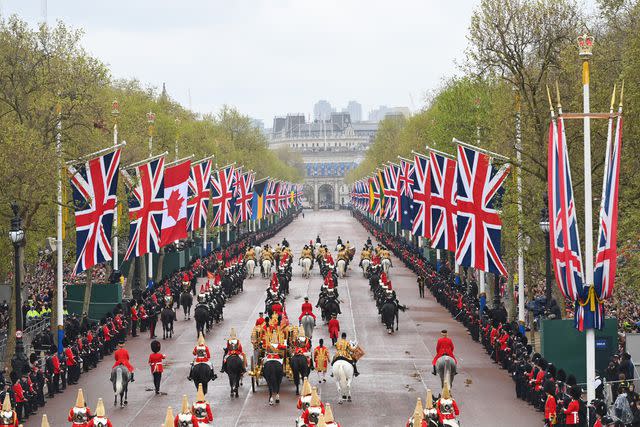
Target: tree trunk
x,y
158,267
87,291
11,330
142,272
131,277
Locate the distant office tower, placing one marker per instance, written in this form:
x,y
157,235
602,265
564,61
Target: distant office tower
x,y
354,108
322,110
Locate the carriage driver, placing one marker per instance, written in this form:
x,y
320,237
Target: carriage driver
x,y
122,358
344,350
201,353
234,347
443,347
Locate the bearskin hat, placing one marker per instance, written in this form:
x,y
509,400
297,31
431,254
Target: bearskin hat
x,y
155,346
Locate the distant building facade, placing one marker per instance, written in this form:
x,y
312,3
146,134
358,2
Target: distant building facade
x,y
322,110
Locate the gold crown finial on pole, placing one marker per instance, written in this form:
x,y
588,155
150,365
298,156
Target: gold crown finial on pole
x,y
549,98
585,46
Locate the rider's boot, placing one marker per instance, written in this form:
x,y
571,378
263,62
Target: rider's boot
x,y
224,367
189,378
132,378
434,370
355,370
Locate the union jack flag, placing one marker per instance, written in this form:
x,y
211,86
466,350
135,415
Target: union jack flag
x,y
479,228
299,194
443,202
146,206
244,196
94,185
392,193
199,194
270,205
283,191
421,196
223,182
606,256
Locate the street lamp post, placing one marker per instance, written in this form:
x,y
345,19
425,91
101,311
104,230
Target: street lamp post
x,y
544,226
19,362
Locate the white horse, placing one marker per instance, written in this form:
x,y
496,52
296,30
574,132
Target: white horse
x,y
342,268
317,246
306,267
365,266
386,265
266,267
258,251
342,372
250,266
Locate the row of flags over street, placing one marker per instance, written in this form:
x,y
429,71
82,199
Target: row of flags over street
x,y
166,201
453,202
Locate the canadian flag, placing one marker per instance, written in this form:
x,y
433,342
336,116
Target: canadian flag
x,y
174,217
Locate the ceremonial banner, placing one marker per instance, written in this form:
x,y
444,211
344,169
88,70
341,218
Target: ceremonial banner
x,y
406,181
442,208
421,196
258,200
244,196
270,205
392,193
199,194
176,193
94,186
479,228
222,185
146,206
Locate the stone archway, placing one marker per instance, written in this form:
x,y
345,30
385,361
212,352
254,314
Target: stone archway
x,y
309,196
326,196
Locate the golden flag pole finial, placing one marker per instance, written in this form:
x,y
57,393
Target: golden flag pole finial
x,y
621,93
613,96
558,95
549,98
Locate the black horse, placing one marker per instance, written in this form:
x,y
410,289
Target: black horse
x,y
201,314
202,374
300,369
330,307
167,316
186,301
389,314
234,369
272,371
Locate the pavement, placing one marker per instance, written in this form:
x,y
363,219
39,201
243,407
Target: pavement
x,y
394,372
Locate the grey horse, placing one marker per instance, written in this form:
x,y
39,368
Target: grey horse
x,y
308,323
120,381
446,369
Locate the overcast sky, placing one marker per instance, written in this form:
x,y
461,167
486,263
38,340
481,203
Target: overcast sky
x,y
272,57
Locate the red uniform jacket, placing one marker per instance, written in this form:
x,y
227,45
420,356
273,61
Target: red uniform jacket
x,y
444,346
209,418
277,308
442,416
15,422
92,423
89,337
69,355
572,413
539,379
305,414
155,362
334,328
194,421
75,424
134,314
550,408
202,359
142,312
307,308
106,333
18,393
237,351
122,358
56,364
259,321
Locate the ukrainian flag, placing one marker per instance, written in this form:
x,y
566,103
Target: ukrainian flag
x,y
257,203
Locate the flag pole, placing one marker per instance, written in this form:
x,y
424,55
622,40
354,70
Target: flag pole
x,y
521,312
585,43
59,255
151,119
115,112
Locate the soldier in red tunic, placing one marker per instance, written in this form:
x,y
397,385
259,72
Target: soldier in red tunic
x,y
334,328
80,414
234,347
550,407
100,420
417,419
8,417
202,410
571,413
307,309
185,418
443,347
134,319
155,363
122,358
